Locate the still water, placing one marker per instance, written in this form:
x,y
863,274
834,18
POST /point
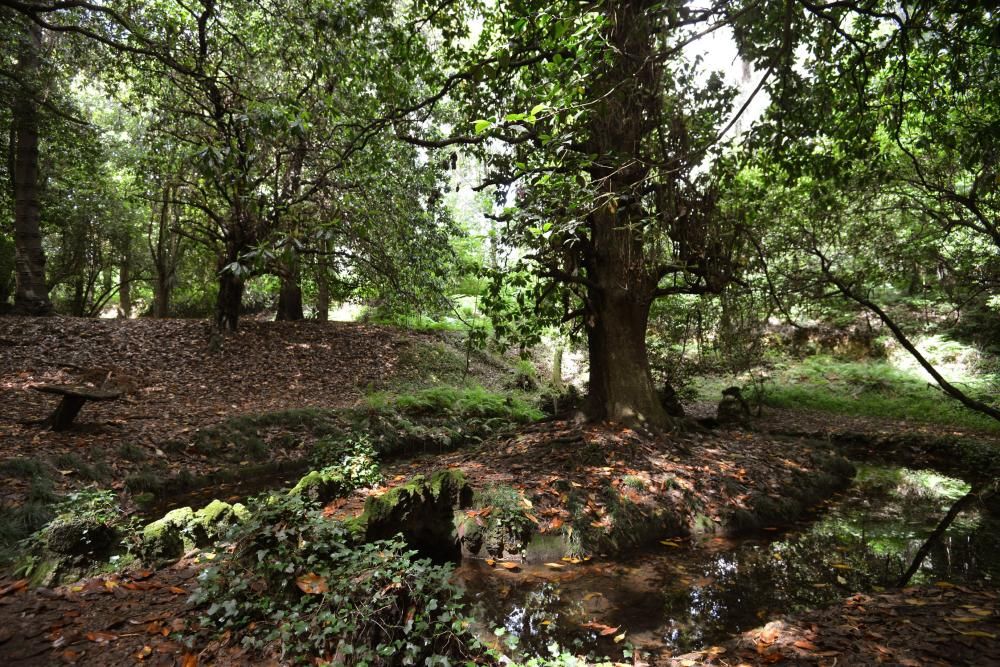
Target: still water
x,y
682,595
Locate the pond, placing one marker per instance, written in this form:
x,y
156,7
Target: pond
x,y
682,596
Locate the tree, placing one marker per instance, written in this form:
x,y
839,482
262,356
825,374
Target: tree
x,y
271,102
31,296
884,160
604,128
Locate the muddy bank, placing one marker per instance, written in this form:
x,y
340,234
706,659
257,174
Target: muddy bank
x,y
558,489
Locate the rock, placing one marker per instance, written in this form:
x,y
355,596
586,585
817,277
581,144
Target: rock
x,y
423,510
670,402
322,485
166,539
731,412
213,521
85,537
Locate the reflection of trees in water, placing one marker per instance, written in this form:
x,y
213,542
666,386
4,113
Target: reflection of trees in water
x,y
687,599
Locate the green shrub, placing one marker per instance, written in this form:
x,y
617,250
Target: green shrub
x,y
297,583
24,468
457,402
875,389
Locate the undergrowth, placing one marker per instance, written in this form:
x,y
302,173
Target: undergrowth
x,y
438,419
295,584
870,389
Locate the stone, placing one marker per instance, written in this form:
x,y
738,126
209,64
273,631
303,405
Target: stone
x,y
166,539
90,538
322,486
423,510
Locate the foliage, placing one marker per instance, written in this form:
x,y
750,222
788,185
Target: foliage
x,y
875,389
354,457
295,583
459,402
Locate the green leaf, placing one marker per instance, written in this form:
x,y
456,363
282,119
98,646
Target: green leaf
x,y
482,125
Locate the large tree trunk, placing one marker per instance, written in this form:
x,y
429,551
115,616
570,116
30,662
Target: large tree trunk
x,y
621,281
230,297
229,301
290,295
31,295
290,300
621,383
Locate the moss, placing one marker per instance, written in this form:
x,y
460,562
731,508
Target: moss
x,y
321,486
211,522
423,510
165,539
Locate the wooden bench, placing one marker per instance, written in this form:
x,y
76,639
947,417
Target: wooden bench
x,y
73,398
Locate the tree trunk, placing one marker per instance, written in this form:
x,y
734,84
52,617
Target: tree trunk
x,y
227,305
161,296
290,300
230,298
621,384
164,248
621,281
322,286
31,295
125,283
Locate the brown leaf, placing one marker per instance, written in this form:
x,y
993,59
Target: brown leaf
x,y
601,628
805,645
101,637
312,584
189,660
18,585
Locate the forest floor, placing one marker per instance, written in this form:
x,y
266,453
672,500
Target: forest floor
x,y
178,386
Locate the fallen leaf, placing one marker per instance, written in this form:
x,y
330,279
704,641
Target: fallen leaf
x,y
805,645
101,637
508,565
18,585
312,584
555,566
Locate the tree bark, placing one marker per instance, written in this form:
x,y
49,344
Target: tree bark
x,y
31,295
125,282
322,285
290,300
621,281
229,301
164,248
161,296
621,383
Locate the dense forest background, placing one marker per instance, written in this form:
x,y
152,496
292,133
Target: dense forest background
x,y
581,170
552,234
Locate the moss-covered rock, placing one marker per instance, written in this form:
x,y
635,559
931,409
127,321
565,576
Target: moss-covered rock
x,y
211,522
166,539
423,510
87,537
322,486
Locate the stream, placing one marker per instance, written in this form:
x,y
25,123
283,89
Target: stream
x,y
681,596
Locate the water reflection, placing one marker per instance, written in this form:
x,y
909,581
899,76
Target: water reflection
x,y
678,599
